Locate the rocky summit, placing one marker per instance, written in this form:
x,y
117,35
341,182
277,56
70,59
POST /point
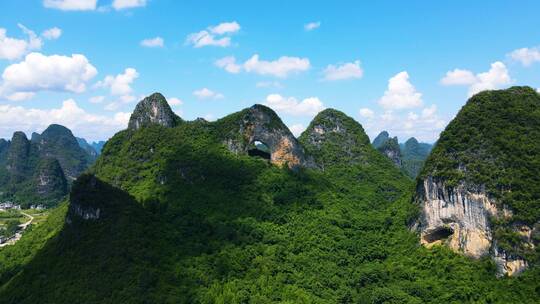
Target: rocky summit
x,y
153,109
468,189
261,124
38,171
238,210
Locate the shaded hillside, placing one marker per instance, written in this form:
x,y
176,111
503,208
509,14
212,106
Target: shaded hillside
x,y
37,171
184,214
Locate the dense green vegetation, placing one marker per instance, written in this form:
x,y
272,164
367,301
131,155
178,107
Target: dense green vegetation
x,y
186,221
495,142
412,154
37,171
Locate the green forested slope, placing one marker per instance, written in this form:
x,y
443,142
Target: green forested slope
x,y
186,221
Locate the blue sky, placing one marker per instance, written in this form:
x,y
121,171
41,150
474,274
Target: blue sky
x,y
402,66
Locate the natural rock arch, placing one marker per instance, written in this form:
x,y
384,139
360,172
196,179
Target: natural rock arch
x,y
260,123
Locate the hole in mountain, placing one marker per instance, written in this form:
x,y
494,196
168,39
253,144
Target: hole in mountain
x,y
437,234
259,150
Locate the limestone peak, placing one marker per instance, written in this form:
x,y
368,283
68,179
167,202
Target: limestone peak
x,y
153,109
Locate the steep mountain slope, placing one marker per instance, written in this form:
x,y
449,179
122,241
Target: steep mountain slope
x,y
409,156
186,214
36,172
413,156
89,148
480,187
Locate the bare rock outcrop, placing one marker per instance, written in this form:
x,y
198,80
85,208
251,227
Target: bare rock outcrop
x,y
460,218
153,109
260,124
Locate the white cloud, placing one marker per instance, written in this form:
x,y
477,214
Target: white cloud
x,y
225,28
366,113
20,96
400,94
228,64
96,99
124,4
12,48
281,67
526,56
173,101
495,78
424,125
312,25
297,129
347,70
121,83
39,72
52,33
153,42
71,5
206,93
82,123
204,38
458,77
214,35
290,105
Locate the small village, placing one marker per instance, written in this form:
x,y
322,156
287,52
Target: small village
x,y
14,221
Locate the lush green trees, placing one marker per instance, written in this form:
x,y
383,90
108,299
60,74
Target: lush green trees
x,y
187,221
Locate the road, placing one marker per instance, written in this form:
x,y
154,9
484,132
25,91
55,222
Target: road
x,y
18,235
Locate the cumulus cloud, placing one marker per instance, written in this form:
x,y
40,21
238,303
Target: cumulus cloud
x,y
400,94
292,106
39,72
297,129
312,25
366,113
124,4
425,124
225,28
71,5
82,123
173,101
349,70
153,42
121,83
229,64
218,35
458,77
206,93
526,56
495,78
281,67
52,33
13,48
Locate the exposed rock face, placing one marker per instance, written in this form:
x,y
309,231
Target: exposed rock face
x,y
84,202
17,156
153,109
459,217
391,149
381,139
260,123
37,170
50,180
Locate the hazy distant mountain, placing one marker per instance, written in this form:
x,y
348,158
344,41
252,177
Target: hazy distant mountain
x,y
408,156
37,171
